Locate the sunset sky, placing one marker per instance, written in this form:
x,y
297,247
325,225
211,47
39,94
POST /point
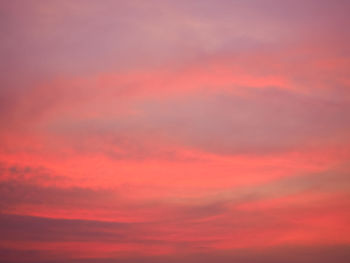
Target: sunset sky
x,y
177,131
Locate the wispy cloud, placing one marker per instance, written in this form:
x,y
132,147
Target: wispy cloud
x,y
174,131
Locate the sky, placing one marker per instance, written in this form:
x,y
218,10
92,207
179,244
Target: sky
x,y
174,131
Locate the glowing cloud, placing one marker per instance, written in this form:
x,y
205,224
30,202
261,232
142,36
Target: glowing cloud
x,y
174,131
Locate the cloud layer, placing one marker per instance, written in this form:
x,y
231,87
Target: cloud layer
x,y
174,131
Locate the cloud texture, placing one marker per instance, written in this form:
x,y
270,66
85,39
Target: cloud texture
x,y
174,131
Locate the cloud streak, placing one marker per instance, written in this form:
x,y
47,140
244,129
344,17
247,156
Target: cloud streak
x,y
174,131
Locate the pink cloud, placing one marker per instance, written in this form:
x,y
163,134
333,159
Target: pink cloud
x,y
174,131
